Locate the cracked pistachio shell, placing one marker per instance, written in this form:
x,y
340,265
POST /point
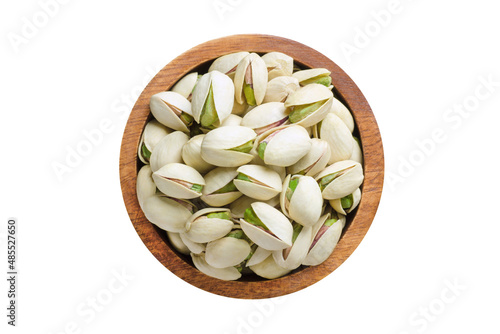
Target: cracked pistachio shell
x,y
306,191
314,75
265,117
251,70
269,269
232,120
226,274
167,213
264,182
217,144
349,176
338,137
201,229
227,64
153,132
357,153
324,240
166,107
311,94
285,145
177,180
226,252
278,89
259,255
168,150
278,64
314,161
336,204
186,85
239,206
194,247
191,155
145,185
276,222
177,243
292,257
339,109
223,97
214,181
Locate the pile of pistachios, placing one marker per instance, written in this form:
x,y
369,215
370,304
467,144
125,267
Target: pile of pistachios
x,y
251,167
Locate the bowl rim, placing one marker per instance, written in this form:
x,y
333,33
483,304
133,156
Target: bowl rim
x,y
345,89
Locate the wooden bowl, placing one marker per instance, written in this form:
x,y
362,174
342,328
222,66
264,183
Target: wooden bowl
x,y
253,287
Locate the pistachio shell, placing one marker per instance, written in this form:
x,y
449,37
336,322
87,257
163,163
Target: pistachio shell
x,y
167,213
153,132
336,204
292,257
214,181
226,274
338,136
306,191
177,180
226,252
239,206
278,89
239,108
217,144
304,76
191,155
350,176
177,243
264,185
145,185
232,120
310,95
194,247
201,229
314,161
265,117
258,256
251,70
186,85
168,150
277,224
357,153
278,64
339,109
227,64
166,107
285,145
269,269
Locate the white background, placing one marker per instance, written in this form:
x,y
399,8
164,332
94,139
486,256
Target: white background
x,y
437,224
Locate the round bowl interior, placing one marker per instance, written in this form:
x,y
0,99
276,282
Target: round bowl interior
x,y
358,222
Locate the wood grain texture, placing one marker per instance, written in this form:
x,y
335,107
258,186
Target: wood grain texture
x,y
359,222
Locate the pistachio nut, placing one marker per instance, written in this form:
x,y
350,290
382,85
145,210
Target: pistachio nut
x,y
258,182
169,214
357,153
168,150
227,64
291,258
326,234
347,203
258,255
315,75
186,84
301,199
213,99
191,155
179,181
283,146
278,169
338,137
339,109
219,187
172,110
177,243
278,89
232,120
278,64
226,274
239,108
269,269
145,185
228,146
153,132
265,117
239,206
250,80
267,226
228,251
314,161
209,224
309,104
340,179
194,247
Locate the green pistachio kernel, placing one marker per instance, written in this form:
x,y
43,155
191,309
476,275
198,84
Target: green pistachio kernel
x,y
238,234
325,181
261,149
252,218
146,154
228,188
197,187
347,201
330,222
220,215
297,228
244,148
291,188
208,113
249,94
324,80
186,119
302,111
243,177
